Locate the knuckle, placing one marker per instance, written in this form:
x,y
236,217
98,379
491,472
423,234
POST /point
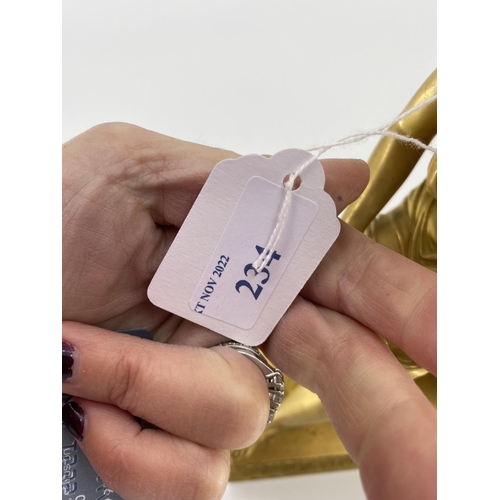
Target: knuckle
x,y
357,274
299,343
353,345
124,390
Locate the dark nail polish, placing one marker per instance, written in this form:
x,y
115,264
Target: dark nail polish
x,y
66,398
73,418
68,360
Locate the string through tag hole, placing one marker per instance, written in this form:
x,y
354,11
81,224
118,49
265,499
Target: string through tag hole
x,y
383,131
296,183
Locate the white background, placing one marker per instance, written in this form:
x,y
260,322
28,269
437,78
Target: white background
x,y
253,77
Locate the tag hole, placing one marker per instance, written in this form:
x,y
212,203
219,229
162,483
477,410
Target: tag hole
x,y
296,183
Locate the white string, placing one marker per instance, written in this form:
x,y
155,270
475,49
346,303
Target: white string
x,y
268,251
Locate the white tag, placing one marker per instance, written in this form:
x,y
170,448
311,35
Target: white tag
x,y
230,289
207,275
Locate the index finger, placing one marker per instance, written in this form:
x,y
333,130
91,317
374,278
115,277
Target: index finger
x,y
214,397
381,289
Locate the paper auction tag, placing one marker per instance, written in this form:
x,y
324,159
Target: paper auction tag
x,y
207,275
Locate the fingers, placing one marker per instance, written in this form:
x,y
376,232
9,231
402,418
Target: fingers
x,y
214,397
145,463
345,180
388,293
381,416
167,173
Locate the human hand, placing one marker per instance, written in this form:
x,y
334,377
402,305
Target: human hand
x,y
328,342
126,192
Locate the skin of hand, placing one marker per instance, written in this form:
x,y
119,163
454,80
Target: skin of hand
x,y
126,192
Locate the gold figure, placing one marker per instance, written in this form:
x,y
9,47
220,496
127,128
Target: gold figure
x,y
301,439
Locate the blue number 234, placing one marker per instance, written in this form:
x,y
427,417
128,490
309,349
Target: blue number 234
x,y
265,272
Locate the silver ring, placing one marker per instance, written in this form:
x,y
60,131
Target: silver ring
x,y
273,376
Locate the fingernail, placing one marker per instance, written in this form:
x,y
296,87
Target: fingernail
x,y
73,418
68,360
66,398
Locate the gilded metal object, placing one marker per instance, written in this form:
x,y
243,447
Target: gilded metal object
x,y
301,439
392,161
